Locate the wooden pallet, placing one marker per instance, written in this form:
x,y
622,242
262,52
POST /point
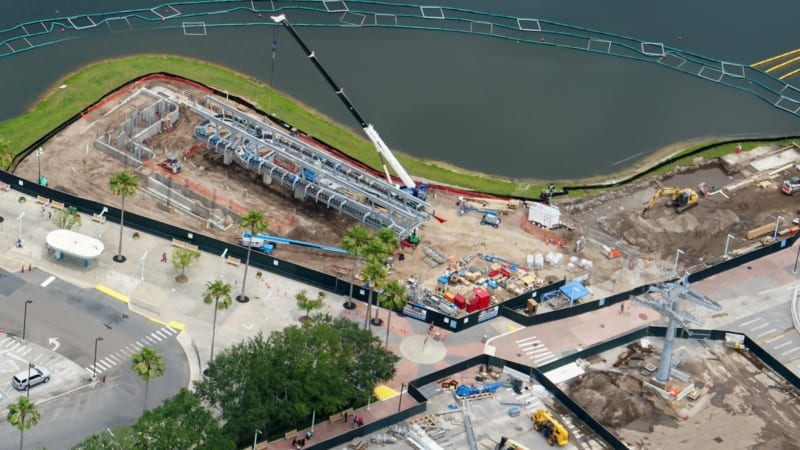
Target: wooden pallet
x,y
428,420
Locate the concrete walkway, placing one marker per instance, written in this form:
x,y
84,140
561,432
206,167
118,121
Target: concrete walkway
x,y
150,289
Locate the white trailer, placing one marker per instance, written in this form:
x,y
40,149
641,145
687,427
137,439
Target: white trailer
x,y
544,215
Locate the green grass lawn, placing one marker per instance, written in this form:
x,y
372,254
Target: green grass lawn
x,y
89,84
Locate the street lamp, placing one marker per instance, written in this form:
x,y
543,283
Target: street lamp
x,y
675,267
255,438
94,364
39,152
727,242
25,318
19,219
28,387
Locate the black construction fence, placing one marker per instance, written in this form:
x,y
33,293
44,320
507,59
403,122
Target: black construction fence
x,y
513,309
416,391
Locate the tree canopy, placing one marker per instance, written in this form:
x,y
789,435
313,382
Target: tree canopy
x,y
180,422
280,380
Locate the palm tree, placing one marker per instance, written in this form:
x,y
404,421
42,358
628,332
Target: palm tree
x,y
375,252
254,222
354,241
375,274
388,238
23,414
123,184
148,364
393,297
218,292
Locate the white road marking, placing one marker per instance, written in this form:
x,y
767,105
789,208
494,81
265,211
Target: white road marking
x,y
156,337
760,326
46,282
766,333
790,351
783,345
750,321
526,339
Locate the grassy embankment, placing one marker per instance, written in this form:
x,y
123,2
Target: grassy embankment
x,y
92,82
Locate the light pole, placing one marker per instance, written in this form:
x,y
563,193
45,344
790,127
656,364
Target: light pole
x,y
727,242
19,219
28,387
255,438
94,364
778,221
25,318
39,152
675,267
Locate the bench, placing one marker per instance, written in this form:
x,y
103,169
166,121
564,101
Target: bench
x,y
290,435
185,245
41,200
57,205
99,218
233,261
339,417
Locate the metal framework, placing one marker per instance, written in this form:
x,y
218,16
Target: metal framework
x,y
311,173
664,298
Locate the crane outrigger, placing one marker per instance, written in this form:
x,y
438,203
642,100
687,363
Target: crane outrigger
x,y
420,191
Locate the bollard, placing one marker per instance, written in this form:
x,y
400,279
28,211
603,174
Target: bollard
x,y
23,268
104,378
29,268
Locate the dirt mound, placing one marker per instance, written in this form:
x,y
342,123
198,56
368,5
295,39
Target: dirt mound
x,y
664,230
617,400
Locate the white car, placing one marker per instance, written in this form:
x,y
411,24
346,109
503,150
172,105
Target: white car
x,y
22,381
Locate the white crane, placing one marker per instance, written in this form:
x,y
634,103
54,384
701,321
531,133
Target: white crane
x,y
386,155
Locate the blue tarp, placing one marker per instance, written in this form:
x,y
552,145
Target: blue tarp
x,y
574,291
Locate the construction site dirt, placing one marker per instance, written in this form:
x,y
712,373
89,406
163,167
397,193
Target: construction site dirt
x,y
732,400
612,220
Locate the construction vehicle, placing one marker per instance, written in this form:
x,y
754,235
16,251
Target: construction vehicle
x,y
554,432
791,186
509,444
491,219
419,191
681,198
172,163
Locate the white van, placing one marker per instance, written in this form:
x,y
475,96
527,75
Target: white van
x,y
38,375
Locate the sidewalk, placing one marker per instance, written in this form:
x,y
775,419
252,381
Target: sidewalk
x,y
150,289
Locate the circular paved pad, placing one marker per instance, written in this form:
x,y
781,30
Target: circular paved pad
x,y
417,350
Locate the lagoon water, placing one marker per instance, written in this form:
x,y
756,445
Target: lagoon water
x,y
516,110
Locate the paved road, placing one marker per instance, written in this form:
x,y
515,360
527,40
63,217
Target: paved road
x,y
76,316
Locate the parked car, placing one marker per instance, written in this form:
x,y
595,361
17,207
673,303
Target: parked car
x,y
22,380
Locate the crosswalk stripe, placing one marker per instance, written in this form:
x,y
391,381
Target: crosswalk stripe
x,y
526,339
114,358
24,351
109,362
152,341
156,337
163,333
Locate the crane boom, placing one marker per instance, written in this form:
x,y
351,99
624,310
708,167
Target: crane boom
x,y
372,134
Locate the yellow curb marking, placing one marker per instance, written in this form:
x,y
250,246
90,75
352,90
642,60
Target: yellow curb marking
x,y
112,293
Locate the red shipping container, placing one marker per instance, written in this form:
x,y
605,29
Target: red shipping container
x,y
483,302
494,272
505,272
460,301
472,305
